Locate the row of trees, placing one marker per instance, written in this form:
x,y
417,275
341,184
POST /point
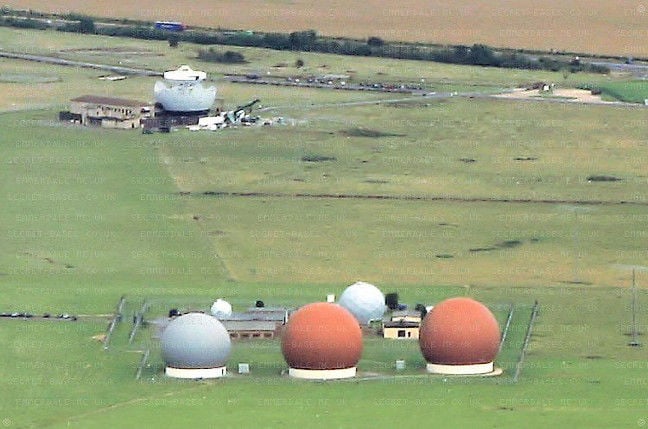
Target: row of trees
x,y
310,41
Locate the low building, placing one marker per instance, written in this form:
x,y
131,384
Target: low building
x,y
109,112
403,325
401,330
256,323
251,329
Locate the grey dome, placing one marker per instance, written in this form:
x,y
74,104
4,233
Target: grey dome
x,y
195,340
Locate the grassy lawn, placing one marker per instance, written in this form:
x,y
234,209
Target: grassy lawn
x,y
632,91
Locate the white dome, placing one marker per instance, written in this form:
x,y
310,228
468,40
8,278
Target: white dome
x,y
364,300
195,340
221,309
185,73
184,96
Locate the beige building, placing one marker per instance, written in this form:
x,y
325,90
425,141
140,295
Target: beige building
x,y
403,325
109,112
401,330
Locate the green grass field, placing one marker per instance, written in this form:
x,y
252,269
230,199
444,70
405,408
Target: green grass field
x,y
89,215
632,91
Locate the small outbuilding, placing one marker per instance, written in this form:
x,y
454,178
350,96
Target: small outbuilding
x,y
402,325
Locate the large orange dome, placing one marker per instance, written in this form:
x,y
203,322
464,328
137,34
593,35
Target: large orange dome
x,y
322,336
459,331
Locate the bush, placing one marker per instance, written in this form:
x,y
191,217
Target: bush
x,y
228,57
318,158
375,42
23,23
174,41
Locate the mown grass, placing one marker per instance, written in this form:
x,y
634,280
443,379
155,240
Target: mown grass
x,y
631,91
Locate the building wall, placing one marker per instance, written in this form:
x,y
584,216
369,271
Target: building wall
x,y
409,333
125,124
252,335
122,117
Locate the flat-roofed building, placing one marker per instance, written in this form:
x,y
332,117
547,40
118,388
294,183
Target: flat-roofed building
x,y
110,112
401,330
403,325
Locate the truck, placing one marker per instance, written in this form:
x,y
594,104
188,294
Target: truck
x,y
170,26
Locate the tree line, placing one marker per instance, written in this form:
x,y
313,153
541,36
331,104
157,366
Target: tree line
x,y
310,41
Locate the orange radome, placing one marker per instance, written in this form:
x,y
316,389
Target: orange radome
x,y
322,336
459,331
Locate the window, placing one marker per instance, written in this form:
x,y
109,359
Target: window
x,y
401,333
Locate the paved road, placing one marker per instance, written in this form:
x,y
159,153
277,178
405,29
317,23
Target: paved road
x,y
638,70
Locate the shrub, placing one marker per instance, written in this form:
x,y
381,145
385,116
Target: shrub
x,y
228,57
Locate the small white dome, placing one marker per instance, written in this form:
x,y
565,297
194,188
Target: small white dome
x,y
364,300
185,73
221,309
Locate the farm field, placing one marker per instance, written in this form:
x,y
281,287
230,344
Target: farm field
x,y
180,219
578,26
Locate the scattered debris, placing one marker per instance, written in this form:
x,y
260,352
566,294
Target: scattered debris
x,y
99,337
112,78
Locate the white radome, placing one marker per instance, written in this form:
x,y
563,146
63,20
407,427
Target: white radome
x,y
365,301
221,309
182,91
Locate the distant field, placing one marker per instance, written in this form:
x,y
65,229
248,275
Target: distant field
x,y
580,26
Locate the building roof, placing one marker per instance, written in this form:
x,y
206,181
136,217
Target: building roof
x,y
110,101
401,324
273,316
405,313
248,325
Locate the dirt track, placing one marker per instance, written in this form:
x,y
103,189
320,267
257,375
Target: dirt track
x,y
413,198
559,94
